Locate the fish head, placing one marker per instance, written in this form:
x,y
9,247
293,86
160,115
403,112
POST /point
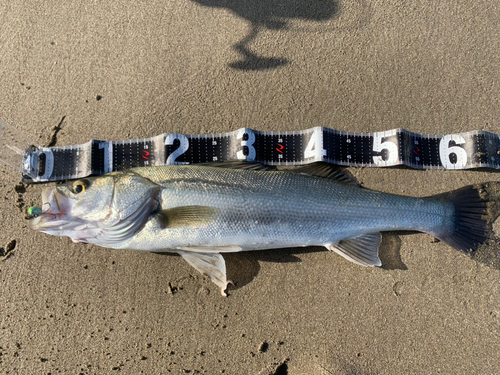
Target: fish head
x,y
103,210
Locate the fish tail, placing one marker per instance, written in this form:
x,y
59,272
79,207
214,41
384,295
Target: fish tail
x,y
474,213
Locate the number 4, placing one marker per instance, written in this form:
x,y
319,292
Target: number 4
x,y
314,148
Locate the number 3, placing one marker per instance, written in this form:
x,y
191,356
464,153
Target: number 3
x,y
249,143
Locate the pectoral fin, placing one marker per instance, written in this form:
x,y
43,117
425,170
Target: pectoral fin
x,y
362,250
212,249
188,216
212,265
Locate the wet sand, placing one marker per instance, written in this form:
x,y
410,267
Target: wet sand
x,y
109,70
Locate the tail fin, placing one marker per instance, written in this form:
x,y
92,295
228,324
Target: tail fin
x,y
475,212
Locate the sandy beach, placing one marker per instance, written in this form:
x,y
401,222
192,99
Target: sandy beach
x,y
72,71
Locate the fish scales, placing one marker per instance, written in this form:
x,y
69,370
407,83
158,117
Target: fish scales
x,y
262,208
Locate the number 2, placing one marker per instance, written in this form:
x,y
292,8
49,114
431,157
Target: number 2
x,y
183,147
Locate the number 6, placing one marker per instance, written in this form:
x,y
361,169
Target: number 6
x,y
445,151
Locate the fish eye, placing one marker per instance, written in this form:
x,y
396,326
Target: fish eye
x,y
80,186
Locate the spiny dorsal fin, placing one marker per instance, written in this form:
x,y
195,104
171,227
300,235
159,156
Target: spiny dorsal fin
x,y
238,164
326,170
362,250
188,216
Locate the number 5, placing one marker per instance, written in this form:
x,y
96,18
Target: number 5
x,y
390,147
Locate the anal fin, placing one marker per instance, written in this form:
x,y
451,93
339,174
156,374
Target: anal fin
x,y
210,264
362,250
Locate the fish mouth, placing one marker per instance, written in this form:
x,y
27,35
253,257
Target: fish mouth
x,y
55,217
53,209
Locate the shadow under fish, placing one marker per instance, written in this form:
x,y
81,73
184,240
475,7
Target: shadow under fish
x,y
202,211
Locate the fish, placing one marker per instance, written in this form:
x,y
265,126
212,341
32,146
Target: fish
x,y
201,211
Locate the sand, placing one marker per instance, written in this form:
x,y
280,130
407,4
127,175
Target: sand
x,y
72,71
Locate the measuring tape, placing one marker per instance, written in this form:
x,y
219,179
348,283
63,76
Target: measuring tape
x,y
476,149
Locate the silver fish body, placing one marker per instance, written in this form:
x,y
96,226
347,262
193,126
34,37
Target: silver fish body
x,y
202,211
263,210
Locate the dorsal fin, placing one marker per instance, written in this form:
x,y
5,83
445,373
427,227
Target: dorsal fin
x,y
326,170
238,164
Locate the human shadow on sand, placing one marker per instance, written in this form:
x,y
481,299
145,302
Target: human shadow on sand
x,y
272,15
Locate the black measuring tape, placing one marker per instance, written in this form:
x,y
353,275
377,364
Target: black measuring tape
x,y
476,149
